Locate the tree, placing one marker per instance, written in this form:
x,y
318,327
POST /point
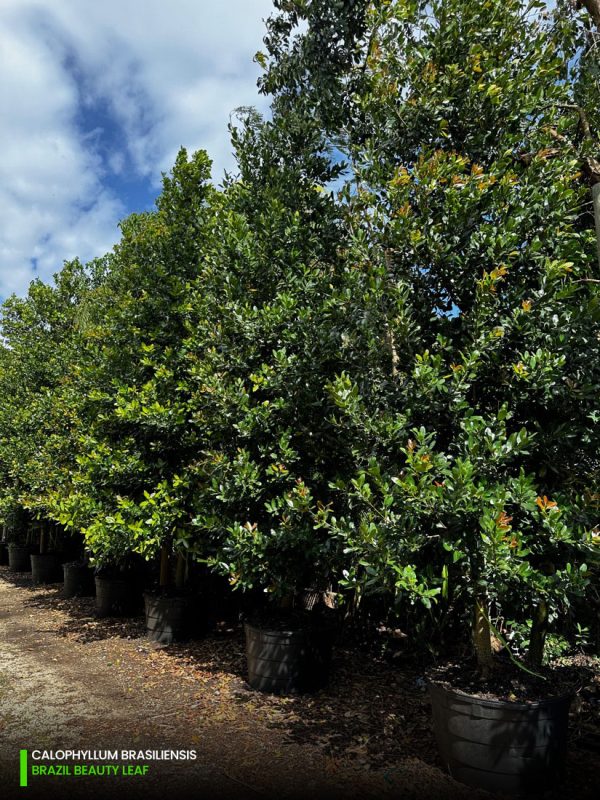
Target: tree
x,y
465,127
131,492
40,394
267,328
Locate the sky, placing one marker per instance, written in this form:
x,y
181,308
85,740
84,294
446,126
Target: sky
x,y
96,99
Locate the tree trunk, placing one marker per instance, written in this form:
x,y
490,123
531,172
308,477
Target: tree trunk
x,y
539,629
593,7
43,538
482,637
164,567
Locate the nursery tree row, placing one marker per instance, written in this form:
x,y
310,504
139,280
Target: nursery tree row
x,y
368,361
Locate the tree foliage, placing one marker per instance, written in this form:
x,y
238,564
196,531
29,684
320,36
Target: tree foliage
x,y
370,359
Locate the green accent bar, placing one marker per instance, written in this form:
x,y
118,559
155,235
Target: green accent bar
x,y
23,781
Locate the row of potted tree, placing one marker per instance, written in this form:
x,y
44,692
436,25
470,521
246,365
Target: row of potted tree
x,y
176,605
366,365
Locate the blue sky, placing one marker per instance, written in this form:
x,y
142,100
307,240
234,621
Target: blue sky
x,y
96,98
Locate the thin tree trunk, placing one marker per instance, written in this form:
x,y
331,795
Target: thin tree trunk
x,y
164,567
539,628
390,339
43,538
482,637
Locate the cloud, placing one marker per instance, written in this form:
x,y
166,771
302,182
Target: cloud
x,y
97,100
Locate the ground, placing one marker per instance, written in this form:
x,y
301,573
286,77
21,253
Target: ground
x,y
69,680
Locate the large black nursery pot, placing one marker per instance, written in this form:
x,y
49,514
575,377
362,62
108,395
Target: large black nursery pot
x,y
18,557
78,580
114,597
499,745
289,661
166,617
45,567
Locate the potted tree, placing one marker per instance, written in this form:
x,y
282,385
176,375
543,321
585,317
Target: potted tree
x,y
117,575
501,721
115,589
45,564
133,438
288,647
469,129
166,607
78,579
160,526
78,573
149,529
475,538
265,334
472,267
19,539
268,286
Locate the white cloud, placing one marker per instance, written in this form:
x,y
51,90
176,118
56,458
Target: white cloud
x,y
163,75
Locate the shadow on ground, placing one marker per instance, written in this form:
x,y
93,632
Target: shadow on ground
x,y
82,623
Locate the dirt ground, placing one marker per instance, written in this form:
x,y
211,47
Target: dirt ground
x,y
71,681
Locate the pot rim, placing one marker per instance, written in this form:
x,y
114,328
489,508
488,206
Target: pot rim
x,y
112,580
158,596
301,631
486,703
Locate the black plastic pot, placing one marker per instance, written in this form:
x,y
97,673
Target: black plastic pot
x,y
165,617
501,746
3,554
113,597
288,661
78,580
18,558
45,567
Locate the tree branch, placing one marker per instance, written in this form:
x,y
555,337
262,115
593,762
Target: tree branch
x,y
583,120
593,8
